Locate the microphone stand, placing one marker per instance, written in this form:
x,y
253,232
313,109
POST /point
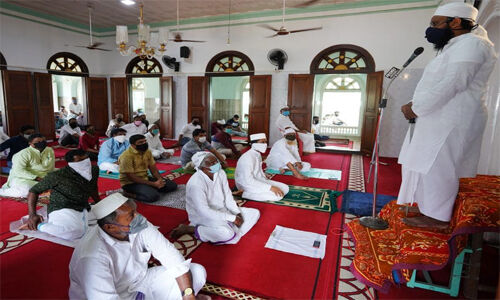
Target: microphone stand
x,y
373,221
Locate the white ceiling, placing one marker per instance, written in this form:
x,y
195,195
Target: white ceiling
x,y
108,13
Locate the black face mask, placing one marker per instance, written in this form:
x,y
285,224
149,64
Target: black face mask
x,y
142,147
119,120
196,123
72,125
41,145
315,122
438,36
290,137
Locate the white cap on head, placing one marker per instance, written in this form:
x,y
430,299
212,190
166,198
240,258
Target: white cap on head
x,y
221,122
285,107
289,130
151,125
108,205
198,158
257,136
457,10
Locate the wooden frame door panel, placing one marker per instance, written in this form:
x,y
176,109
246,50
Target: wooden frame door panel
x,y
119,98
19,105
300,95
45,105
198,99
374,83
97,103
166,107
260,104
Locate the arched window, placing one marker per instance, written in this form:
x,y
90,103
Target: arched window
x,y
230,63
65,63
3,62
144,67
343,59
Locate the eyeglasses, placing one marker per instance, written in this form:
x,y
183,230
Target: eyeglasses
x,y
434,24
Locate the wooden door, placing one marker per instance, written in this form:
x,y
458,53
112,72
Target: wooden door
x,y
97,103
119,98
19,106
45,105
198,99
166,108
374,83
300,95
260,104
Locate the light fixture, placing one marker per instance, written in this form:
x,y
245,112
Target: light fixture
x,y
143,48
128,2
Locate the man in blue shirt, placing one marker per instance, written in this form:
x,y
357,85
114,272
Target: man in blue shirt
x,y
17,143
111,149
235,123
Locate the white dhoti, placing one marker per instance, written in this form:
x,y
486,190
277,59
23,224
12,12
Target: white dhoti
x,y
111,167
66,223
228,233
226,151
308,142
157,153
16,190
281,163
160,284
259,195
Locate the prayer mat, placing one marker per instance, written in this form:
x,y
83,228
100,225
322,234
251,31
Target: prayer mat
x,y
313,173
43,199
360,203
175,199
229,172
382,253
103,174
308,198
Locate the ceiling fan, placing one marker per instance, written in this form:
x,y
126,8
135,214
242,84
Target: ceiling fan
x,y
177,36
92,45
282,30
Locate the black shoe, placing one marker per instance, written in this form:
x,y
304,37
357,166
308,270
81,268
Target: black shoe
x,y
320,144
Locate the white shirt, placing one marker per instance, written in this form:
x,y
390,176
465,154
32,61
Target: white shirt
x,y
112,125
132,129
284,122
154,142
249,175
103,267
450,95
77,108
208,202
315,128
282,153
187,130
67,130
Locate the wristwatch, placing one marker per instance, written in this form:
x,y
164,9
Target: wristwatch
x,y
187,292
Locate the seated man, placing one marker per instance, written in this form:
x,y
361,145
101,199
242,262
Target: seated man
x,y
89,143
216,127
336,120
154,143
107,160
59,121
69,136
187,131
315,129
137,127
143,119
29,166
251,179
117,122
76,111
284,156
134,165
17,143
71,187
197,144
111,260
284,122
222,142
213,214
236,128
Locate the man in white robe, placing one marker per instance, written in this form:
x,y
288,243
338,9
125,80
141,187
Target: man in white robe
x,y
285,156
250,177
448,105
283,122
154,143
213,214
136,127
111,260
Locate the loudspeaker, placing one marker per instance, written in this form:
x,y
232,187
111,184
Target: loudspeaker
x,y
185,52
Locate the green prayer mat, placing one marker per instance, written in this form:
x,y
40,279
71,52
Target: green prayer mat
x,y
229,172
308,198
103,174
313,173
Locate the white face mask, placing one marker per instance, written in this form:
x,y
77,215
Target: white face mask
x,y
203,139
84,168
120,138
26,136
260,147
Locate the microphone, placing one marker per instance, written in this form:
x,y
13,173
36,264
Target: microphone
x,y
414,55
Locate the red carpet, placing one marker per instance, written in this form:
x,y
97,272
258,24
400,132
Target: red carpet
x,y
389,176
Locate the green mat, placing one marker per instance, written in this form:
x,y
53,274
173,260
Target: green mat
x,y
308,198
229,172
103,174
313,173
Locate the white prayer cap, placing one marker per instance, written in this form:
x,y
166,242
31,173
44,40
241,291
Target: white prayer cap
x,y
257,136
221,122
289,130
108,205
198,158
151,125
457,10
285,108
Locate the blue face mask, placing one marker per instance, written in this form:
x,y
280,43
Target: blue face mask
x,y
138,224
156,131
286,113
227,130
215,168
